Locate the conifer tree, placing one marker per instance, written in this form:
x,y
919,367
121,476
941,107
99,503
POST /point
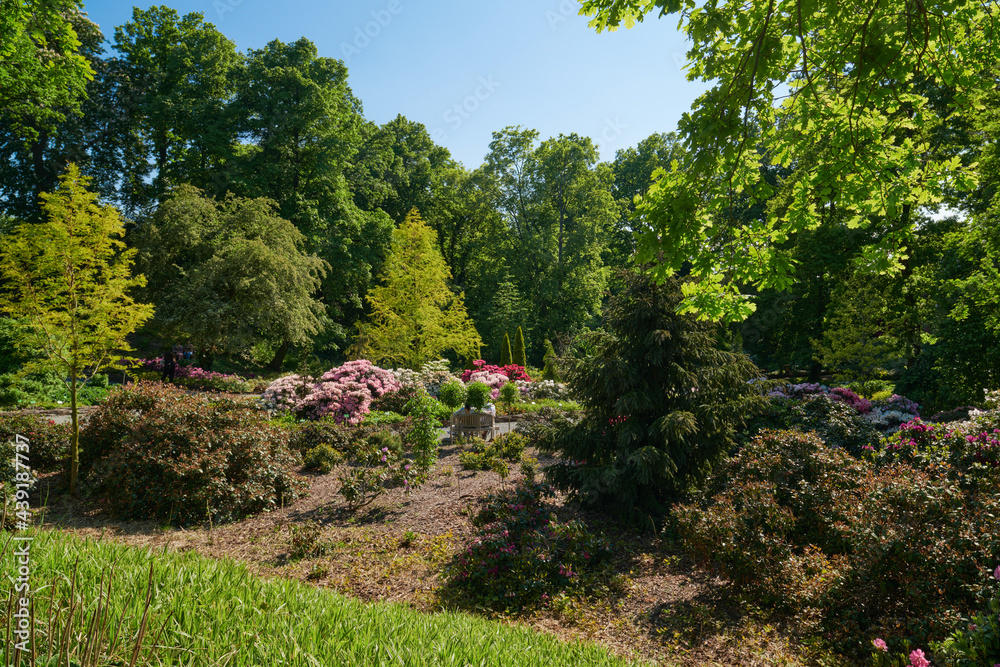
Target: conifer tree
x,y
415,316
549,371
505,354
517,354
662,405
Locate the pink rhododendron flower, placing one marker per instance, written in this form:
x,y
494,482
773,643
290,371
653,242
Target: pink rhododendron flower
x,y
996,573
917,659
880,644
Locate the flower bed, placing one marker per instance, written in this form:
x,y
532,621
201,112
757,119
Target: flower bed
x,y
345,393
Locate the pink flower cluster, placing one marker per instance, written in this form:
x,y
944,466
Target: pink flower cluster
x,y
345,392
492,380
842,394
511,371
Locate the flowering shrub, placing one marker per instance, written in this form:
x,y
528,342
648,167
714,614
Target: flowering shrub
x,y
286,393
895,553
381,464
49,442
345,393
494,455
431,376
521,558
181,458
885,415
962,451
194,377
512,372
544,389
492,380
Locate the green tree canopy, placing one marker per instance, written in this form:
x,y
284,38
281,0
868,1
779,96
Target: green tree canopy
x,y
42,74
415,317
67,282
836,90
227,274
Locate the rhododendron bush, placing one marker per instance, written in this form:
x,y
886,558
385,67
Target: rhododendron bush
x,y
885,415
344,393
512,372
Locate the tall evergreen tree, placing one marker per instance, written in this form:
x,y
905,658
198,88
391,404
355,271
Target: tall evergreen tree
x,y
505,354
517,354
662,404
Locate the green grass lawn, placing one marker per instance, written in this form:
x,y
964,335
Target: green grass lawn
x,y
214,612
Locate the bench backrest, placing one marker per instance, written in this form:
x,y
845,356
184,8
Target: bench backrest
x,y
472,420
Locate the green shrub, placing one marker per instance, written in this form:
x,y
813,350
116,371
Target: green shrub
x,y
478,394
549,372
509,394
322,458
483,455
505,352
119,415
395,401
184,459
452,394
48,442
853,551
388,440
521,557
518,355
378,418
306,542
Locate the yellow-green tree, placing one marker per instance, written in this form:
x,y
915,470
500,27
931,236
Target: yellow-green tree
x,y
67,281
415,316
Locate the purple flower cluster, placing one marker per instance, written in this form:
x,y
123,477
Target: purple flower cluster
x,y
192,372
344,393
492,380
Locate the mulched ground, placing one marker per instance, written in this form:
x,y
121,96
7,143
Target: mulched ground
x,y
671,612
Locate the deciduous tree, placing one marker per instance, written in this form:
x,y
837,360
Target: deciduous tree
x,y
67,282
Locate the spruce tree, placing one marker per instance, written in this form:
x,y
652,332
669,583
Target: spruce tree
x,y
662,405
505,355
518,355
549,371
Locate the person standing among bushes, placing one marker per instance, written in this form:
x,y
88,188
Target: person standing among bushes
x,y
169,365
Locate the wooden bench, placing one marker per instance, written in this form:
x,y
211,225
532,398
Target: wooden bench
x,y
474,423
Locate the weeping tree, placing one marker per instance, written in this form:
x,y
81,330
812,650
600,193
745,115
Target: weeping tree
x,y
662,405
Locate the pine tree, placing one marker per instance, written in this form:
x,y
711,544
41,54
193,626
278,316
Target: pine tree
x,y
662,404
415,316
517,355
549,371
505,355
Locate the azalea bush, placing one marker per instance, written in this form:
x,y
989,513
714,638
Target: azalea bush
x,y
512,372
160,453
544,389
193,377
492,380
884,414
431,376
521,557
48,441
344,393
850,549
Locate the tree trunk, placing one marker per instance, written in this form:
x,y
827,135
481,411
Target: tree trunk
x,y
279,357
205,358
74,443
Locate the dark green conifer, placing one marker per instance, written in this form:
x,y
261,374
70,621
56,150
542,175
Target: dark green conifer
x,y
549,371
505,355
518,355
662,404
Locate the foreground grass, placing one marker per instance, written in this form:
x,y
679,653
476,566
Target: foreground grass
x,y
215,612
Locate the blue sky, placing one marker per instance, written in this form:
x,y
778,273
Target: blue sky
x,y
467,69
